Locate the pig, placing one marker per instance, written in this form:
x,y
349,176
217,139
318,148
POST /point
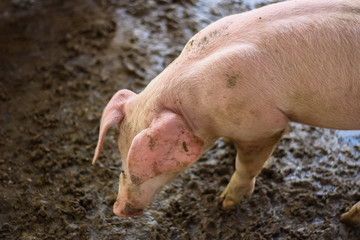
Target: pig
x,y
243,77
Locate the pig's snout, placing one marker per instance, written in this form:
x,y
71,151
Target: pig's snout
x,y
125,209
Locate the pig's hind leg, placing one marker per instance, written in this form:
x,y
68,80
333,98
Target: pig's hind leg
x,y
352,216
250,159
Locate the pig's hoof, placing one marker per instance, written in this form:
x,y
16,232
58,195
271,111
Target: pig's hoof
x,y
229,200
352,216
228,204
236,190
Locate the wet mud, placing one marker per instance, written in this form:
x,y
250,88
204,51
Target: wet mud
x,y
61,61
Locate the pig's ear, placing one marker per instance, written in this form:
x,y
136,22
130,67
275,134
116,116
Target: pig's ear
x,y
113,114
166,146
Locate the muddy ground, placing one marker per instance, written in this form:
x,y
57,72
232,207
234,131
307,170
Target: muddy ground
x,y
61,61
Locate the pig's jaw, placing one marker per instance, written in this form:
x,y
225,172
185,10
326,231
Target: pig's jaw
x,y
125,209
133,199
125,206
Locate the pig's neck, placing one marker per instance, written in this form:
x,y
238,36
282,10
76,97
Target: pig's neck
x,y
170,92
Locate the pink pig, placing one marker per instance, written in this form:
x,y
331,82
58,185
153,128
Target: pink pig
x,y
243,77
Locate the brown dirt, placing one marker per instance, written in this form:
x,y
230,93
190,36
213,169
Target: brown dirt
x,y
61,61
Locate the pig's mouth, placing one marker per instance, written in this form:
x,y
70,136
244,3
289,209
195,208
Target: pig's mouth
x,y
127,210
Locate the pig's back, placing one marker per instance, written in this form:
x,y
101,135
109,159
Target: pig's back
x,y
302,57
315,60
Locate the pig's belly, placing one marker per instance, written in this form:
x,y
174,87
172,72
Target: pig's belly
x,y
334,113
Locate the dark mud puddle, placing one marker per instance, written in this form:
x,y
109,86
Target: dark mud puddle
x,y
61,61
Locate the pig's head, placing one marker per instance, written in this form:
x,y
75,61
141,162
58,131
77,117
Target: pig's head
x,y
155,146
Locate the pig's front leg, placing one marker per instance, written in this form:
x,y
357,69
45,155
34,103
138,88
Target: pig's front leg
x,y
250,159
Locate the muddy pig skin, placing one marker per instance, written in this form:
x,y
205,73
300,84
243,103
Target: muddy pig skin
x,y
244,77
